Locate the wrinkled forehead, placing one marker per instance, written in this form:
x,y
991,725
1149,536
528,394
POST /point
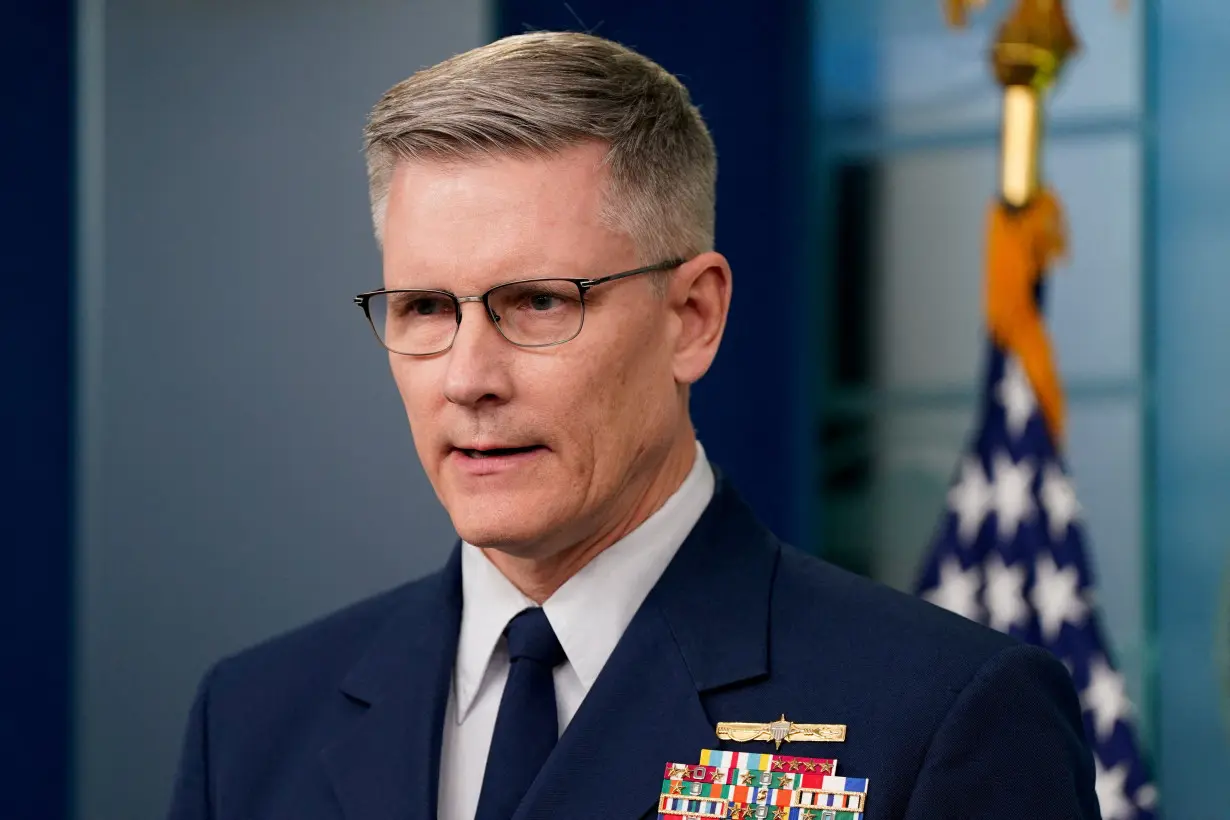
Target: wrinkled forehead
x,y
469,225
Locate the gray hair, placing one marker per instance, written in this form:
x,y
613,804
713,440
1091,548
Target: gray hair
x,y
539,93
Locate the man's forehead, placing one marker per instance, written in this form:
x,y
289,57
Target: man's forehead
x,y
489,222
469,267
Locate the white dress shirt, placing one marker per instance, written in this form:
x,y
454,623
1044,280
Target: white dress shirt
x,y
589,614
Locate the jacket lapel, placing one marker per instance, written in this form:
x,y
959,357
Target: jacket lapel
x,y
702,627
386,766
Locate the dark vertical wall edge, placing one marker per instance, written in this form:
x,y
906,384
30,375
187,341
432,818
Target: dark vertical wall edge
x,y
750,76
36,371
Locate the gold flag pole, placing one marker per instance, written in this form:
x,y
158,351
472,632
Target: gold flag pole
x,y
1026,231
1033,44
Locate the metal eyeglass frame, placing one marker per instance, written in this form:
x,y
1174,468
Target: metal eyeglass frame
x,y
363,300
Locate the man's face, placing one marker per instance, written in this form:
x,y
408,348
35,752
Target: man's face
x,y
580,427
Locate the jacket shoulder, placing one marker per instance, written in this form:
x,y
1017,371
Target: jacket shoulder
x,y
820,603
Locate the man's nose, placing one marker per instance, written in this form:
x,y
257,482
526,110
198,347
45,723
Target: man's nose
x,y
478,360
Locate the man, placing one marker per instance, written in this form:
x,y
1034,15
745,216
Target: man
x,y
545,206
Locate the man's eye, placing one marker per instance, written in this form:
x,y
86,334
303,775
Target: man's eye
x,y
410,306
425,307
544,301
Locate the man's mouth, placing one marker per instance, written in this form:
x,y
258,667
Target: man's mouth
x,y
494,452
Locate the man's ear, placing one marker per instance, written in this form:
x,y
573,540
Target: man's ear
x,y
699,296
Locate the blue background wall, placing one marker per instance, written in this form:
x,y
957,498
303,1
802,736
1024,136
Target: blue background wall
x,y
36,360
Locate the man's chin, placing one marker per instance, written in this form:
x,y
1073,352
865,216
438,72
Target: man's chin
x,y
510,525
518,539
515,517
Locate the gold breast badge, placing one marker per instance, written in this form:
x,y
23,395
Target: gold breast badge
x,y
782,730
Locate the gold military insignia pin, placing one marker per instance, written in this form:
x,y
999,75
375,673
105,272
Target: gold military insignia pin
x,y
782,730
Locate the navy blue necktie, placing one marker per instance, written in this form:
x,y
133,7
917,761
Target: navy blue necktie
x,y
527,726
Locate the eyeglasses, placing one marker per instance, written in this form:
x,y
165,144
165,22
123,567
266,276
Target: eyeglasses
x,y
528,312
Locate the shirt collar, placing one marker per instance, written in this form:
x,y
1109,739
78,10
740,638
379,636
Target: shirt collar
x,y
590,612
489,602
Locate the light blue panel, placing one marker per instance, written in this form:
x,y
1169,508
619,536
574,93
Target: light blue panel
x,y
914,454
1192,298
931,225
932,78
932,218
1093,301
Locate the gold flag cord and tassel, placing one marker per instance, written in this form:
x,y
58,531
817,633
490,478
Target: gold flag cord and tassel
x,y
1021,245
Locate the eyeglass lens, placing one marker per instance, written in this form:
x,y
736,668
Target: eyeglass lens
x,y
537,313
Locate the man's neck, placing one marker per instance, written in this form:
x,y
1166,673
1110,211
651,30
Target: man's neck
x,y
539,578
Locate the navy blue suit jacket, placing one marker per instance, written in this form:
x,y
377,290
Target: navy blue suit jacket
x,y
342,720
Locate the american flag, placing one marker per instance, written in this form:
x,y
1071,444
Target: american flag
x,y
1010,553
